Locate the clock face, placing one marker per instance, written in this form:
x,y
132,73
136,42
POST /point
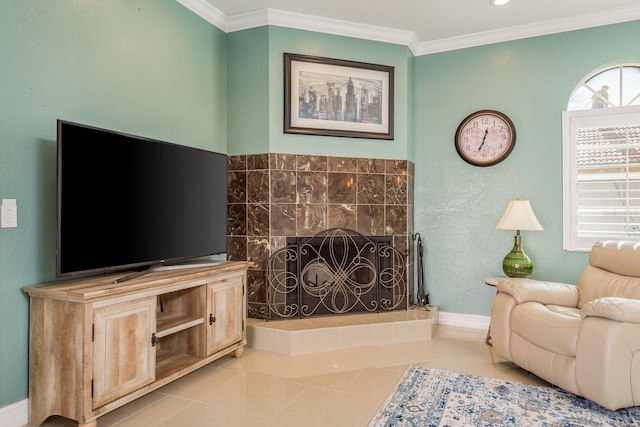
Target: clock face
x,y
485,138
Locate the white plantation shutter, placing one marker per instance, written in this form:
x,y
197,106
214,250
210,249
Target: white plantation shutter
x,y
602,176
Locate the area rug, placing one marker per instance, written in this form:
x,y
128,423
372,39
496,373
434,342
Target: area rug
x,y
427,397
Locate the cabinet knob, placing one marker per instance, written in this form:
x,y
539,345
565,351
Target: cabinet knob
x,y
212,319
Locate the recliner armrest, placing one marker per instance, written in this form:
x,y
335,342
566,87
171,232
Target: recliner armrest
x,y
555,293
614,308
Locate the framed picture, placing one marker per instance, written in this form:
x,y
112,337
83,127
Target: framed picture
x,y
335,97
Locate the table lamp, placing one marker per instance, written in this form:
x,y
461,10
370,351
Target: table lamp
x,y
518,216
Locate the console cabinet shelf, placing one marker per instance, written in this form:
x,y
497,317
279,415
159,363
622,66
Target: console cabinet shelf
x,y
96,345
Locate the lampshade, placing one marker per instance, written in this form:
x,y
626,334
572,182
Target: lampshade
x,y
519,216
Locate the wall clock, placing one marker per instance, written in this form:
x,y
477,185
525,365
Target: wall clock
x,y
485,138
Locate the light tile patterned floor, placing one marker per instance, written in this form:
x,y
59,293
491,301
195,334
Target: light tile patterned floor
x,y
336,388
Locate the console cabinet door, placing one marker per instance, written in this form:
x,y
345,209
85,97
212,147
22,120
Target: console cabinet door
x,y
123,355
226,313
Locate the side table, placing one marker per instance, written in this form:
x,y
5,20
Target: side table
x,y
491,281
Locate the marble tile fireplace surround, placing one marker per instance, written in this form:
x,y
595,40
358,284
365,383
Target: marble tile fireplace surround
x,y
273,196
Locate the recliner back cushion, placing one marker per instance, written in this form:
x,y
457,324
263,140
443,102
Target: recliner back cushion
x,y
617,257
597,283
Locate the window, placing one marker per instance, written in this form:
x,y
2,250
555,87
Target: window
x,y
617,86
601,151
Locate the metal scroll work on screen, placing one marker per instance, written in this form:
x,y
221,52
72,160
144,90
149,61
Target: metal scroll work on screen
x,y
336,271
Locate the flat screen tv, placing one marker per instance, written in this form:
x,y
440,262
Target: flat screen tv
x,y
126,202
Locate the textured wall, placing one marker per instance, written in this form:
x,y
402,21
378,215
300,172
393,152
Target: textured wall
x,y
146,67
459,205
256,92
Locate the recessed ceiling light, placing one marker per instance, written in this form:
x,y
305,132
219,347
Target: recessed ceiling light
x,y
498,2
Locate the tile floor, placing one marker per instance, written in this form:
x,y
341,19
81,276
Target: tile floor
x,y
335,388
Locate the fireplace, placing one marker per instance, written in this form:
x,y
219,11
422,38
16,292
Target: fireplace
x,y
272,196
336,271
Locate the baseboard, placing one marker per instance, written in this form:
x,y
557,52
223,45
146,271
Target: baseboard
x,y
472,321
15,415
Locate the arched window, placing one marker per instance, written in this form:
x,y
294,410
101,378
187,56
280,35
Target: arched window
x,y
617,86
601,158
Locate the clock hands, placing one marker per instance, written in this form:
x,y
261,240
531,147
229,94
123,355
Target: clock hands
x,y
486,131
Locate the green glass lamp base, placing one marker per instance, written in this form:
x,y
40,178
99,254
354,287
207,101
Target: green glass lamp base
x,y
517,263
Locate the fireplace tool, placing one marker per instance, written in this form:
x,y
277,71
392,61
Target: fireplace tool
x,y
423,297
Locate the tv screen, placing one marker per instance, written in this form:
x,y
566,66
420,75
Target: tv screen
x,y
126,201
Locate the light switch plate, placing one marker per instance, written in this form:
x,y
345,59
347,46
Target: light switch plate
x,y
9,213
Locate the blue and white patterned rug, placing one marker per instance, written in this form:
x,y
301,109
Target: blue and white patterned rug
x,y
427,397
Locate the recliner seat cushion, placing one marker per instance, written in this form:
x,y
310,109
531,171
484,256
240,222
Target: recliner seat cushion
x,y
551,327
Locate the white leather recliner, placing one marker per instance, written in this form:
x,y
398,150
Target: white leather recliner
x,y
584,338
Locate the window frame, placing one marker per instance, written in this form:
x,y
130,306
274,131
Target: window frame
x,y
570,238
586,83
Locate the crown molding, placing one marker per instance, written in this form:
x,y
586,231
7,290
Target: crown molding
x,y
299,21
208,12
530,30
317,24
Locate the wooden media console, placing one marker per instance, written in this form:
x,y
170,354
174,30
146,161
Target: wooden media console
x,y
96,345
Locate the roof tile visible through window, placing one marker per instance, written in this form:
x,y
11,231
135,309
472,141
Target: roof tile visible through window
x,y
592,147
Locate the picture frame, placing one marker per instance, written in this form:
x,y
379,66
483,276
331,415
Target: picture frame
x,y
336,97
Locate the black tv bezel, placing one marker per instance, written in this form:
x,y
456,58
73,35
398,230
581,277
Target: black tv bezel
x,y
137,266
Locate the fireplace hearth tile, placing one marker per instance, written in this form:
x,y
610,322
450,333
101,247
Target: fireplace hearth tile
x,y
396,190
237,187
370,189
257,161
371,165
283,219
283,186
318,334
282,161
342,187
370,220
312,187
258,186
366,335
312,163
236,163
237,219
258,251
398,167
258,219
343,215
396,219
311,219
343,164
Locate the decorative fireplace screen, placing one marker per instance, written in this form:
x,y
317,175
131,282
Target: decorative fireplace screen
x,y
336,271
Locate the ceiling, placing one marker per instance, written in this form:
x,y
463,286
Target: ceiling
x,y
424,25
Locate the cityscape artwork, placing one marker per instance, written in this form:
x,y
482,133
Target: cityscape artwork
x,y
334,97
339,98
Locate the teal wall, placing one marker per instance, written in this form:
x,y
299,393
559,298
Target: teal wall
x,y
459,205
283,40
256,70
153,68
147,67
248,88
